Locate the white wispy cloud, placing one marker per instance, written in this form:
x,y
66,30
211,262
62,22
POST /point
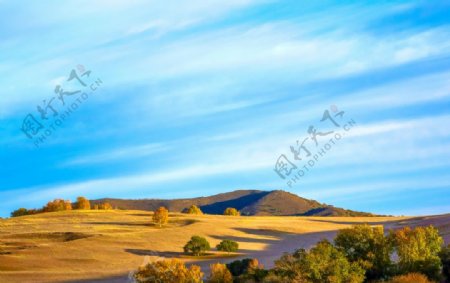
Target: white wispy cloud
x,y
118,154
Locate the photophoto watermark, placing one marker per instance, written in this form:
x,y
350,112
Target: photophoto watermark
x,y
53,112
308,151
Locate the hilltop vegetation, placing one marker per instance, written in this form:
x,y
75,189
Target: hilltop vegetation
x,y
247,202
82,203
250,202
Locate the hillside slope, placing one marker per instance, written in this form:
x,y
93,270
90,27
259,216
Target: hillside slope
x,y
104,246
248,202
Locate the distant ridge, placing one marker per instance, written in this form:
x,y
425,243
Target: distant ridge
x,y
248,202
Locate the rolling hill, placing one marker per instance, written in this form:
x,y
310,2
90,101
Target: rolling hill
x,y
248,202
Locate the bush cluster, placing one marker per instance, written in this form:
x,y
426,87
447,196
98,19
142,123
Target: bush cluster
x,y
358,254
82,203
231,211
193,209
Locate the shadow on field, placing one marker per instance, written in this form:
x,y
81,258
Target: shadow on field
x,y
271,236
112,279
276,244
154,253
355,223
121,224
141,214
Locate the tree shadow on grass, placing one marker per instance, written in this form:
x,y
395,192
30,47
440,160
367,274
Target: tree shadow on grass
x,y
331,221
148,224
143,252
277,243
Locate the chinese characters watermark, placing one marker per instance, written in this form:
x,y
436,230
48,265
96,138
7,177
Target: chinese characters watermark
x,y
54,111
307,151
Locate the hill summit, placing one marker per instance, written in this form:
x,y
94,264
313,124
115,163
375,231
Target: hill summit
x,y
248,202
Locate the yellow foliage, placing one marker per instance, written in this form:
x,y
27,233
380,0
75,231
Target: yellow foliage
x,y
160,216
168,271
410,278
220,274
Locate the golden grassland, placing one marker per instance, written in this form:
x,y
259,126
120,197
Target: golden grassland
x,y
104,246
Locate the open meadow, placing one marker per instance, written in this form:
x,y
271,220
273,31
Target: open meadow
x,y
104,246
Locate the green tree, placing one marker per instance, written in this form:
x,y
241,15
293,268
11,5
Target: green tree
x,y
161,216
445,261
231,211
193,209
197,246
82,203
219,274
368,246
227,246
418,250
240,267
19,212
168,271
323,263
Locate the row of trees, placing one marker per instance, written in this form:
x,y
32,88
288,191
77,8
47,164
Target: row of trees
x,y
82,203
198,245
161,215
358,254
193,209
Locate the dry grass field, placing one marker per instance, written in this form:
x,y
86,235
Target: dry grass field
x,y
104,246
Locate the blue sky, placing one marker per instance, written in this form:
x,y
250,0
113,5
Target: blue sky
x,y
202,97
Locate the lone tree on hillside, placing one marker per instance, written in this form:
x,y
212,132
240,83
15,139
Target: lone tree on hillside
x,y
228,246
160,216
193,209
82,203
231,211
197,246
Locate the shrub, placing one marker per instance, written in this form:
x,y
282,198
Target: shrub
x,y
410,278
57,205
231,211
220,274
418,251
82,203
20,212
273,277
445,261
247,270
68,205
239,267
197,246
193,209
168,271
369,247
228,246
160,216
104,206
